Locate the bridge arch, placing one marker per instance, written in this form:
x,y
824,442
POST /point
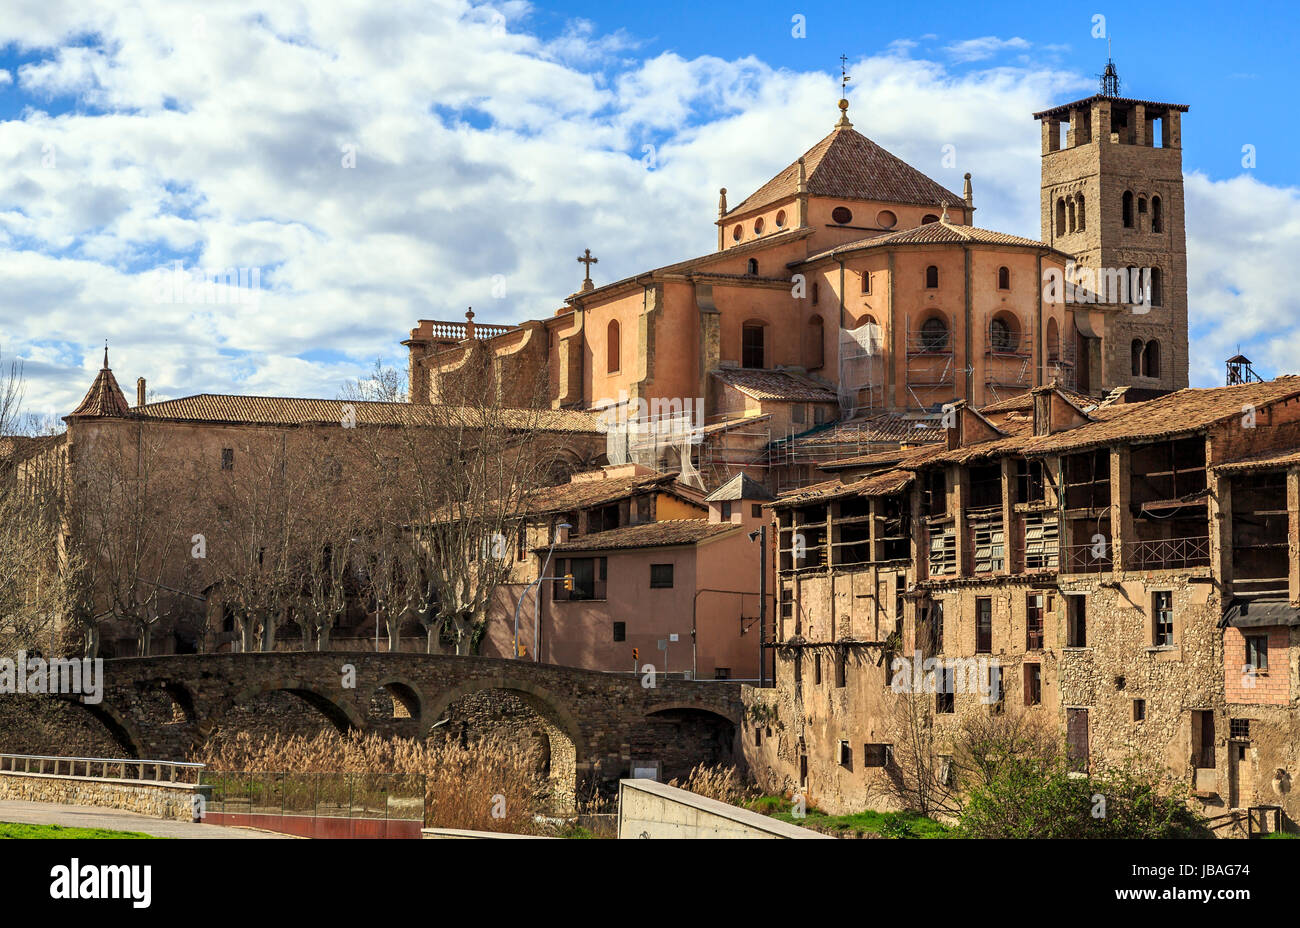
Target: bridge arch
x,y
405,695
120,728
340,712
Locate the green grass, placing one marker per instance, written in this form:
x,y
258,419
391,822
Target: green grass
x,y
1281,835
885,824
17,830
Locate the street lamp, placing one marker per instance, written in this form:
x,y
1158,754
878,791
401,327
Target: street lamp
x,y
522,596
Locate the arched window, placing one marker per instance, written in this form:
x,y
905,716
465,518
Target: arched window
x,y
1083,222
929,218
1135,352
1053,341
612,346
1157,216
1060,217
1069,209
934,335
1004,333
752,348
1128,209
932,276
1142,205
1151,359
815,344
866,281
1156,295
1004,278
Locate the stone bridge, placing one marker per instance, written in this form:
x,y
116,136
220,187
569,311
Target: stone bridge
x,y
592,724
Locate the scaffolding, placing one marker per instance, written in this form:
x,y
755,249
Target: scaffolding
x,y
657,442
931,377
1008,361
861,384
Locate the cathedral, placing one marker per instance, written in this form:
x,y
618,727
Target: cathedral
x,y
851,299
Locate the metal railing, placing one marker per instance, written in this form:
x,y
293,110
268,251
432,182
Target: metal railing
x,y
109,768
1082,559
1168,553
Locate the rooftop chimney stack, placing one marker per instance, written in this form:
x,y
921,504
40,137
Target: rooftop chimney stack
x,y
139,392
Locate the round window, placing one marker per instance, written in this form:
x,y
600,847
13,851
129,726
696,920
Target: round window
x,y
841,215
886,219
737,232
780,219
758,226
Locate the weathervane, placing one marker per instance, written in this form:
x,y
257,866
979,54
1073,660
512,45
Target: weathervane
x,y
844,76
1109,77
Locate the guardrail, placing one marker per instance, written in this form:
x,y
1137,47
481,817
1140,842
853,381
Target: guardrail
x,y
1165,553
109,768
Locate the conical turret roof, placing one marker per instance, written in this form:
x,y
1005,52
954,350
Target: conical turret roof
x,y
104,398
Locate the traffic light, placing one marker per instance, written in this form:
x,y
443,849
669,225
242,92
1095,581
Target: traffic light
x,y
636,655
568,581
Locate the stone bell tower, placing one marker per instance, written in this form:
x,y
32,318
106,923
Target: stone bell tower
x,y
1112,196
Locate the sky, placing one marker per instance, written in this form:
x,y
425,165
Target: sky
x,y
357,166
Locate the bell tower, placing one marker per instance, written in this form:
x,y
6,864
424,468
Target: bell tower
x,y
1112,196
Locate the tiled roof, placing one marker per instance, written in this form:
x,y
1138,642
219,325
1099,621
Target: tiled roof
x,y
1284,457
1066,107
276,410
848,165
776,385
883,484
104,398
584,493
887,427
892,458
932,233
649,535
1026,401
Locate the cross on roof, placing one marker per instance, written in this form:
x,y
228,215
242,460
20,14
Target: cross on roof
x,y
587,259
844,77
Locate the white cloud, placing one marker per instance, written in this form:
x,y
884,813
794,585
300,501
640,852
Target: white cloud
x,y
983,47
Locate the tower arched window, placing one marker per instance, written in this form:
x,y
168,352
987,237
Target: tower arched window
x,y
1082,213
1060,217
1151,359
932,277
1004,333
1157,295
1004,278
866,281
613,346
1069,209
1053,341
1135,359
1157,215
1128,209
934,335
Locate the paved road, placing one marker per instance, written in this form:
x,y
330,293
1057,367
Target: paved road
x,y
52,813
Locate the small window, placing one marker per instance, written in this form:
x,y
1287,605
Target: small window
x,y
1157,216
1162,612
758,226
846,755
1004,278
756,510
752,351
1060,216
227,458
931,277
1239,729
1139,710
780,219
876,755
725,509
620,631
841,666
929,218
613,346
753,267
1033,684
1151,359
1034,621
1257,653
841,215
1127,209
866,281
945,699
1076,608
886,219
984,625
722,673
736,233
934,335
816,293
817,670
996,696
661,576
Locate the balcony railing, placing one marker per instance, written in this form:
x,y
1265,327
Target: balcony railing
x,y
1085,559
1168,553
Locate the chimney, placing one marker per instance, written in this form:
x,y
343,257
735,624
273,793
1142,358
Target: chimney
x,y
139,392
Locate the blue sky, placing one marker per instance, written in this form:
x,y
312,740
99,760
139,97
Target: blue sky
x,y
492,143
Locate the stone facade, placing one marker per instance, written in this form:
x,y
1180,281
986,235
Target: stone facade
x,y
161,800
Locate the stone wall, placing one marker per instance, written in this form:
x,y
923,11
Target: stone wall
x,y
160,800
